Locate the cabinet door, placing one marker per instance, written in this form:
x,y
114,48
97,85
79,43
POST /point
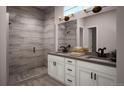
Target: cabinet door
x,y
60,72
84,77
105,80
52,68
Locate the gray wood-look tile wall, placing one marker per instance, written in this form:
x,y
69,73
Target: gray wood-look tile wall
x,y
49,33
30,27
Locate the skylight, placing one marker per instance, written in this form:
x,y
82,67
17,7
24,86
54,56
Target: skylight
x,y
73,9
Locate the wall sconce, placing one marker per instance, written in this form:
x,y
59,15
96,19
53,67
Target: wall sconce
x,y
66,18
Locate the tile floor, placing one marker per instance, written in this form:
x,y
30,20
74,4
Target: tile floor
x,y
44,80
33,77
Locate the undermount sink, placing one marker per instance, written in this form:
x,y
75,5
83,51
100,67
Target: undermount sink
x,y
97,59
63,53
70,54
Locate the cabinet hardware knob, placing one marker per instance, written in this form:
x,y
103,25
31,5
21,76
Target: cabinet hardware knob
x,y
69,80
91,75
69,70
95,76
54,63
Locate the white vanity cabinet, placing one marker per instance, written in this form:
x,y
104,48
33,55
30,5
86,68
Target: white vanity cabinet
x,y
56,67
80,73
89,74
84,77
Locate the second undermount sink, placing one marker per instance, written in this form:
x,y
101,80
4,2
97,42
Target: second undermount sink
x,y
97,59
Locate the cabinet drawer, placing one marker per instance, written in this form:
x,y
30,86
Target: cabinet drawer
x,y
69,61
69,80
70,69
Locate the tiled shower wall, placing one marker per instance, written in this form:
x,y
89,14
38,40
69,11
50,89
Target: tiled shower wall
x,y
49,33
29,29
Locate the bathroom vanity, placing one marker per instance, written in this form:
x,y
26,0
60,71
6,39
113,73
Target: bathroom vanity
x,y
81,71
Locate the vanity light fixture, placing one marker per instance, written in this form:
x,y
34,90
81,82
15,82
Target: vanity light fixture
x,y
95,9
66,18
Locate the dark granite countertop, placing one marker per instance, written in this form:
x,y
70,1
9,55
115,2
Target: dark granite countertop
x,y
105,62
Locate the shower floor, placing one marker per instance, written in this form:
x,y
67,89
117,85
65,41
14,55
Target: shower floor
x,y
34,77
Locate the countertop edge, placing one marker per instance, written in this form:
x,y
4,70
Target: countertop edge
x,y
81,59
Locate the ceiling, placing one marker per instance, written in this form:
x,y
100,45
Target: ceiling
x,y
43,7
